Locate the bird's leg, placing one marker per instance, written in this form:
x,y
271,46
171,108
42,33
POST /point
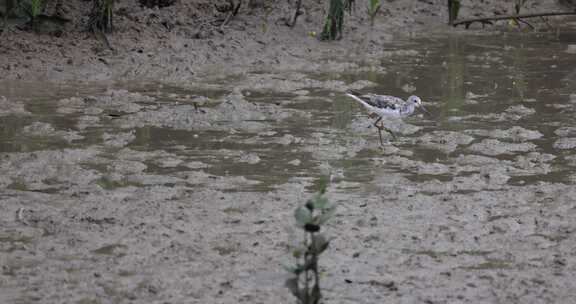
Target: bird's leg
x,y
377,121
373,115
380,135
379,129
388,130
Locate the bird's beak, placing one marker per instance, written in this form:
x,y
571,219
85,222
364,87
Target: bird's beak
x,y
425,111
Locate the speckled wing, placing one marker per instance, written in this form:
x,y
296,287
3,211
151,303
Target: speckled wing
x,y
384,101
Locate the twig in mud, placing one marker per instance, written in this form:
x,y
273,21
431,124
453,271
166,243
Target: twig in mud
x,y
525,22
102,37
232,13
487,20
296,14
101,20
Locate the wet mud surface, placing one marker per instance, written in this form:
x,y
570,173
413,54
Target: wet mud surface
x,y
183,192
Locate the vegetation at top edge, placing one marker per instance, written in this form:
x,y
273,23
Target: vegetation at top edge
x,y
453,10
101,14
334,22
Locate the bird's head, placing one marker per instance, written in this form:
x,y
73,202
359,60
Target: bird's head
x,y
415,100
417,103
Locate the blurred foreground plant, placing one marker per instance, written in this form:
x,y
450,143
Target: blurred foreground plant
x,y
305,280
27,11
29,14
453,9
373,10
334,23
101,21
34,10
101,16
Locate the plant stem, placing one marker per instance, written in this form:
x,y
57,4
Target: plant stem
x,y
307,272
316,279
296,13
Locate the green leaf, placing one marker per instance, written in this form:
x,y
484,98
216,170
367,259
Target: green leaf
x,y
323,184
303,216
297,269
320,202
298,252
319,243
292,285
325,216
373,8
35,7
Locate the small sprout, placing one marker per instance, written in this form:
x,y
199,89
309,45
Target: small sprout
x,y
305,282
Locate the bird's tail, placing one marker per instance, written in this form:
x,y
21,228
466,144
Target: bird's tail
x,y
359,98
354,92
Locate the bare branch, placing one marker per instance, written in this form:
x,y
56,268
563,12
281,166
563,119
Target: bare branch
x,y
484,20
296,14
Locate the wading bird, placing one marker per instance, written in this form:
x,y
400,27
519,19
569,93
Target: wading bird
x,y
382,106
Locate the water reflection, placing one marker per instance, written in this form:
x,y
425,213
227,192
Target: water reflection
x,y
453,73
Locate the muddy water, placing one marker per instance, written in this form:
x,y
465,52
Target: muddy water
x,y
480,86
127,192
468,83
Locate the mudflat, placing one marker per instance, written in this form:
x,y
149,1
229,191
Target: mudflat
x,y
167,169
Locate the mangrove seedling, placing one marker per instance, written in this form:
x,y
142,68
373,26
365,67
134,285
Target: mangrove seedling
x,y
334,22
304,282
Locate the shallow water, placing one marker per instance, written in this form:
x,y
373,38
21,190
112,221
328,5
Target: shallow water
x,y
466,82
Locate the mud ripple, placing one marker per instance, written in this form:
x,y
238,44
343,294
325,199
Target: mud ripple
x,y
495,147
